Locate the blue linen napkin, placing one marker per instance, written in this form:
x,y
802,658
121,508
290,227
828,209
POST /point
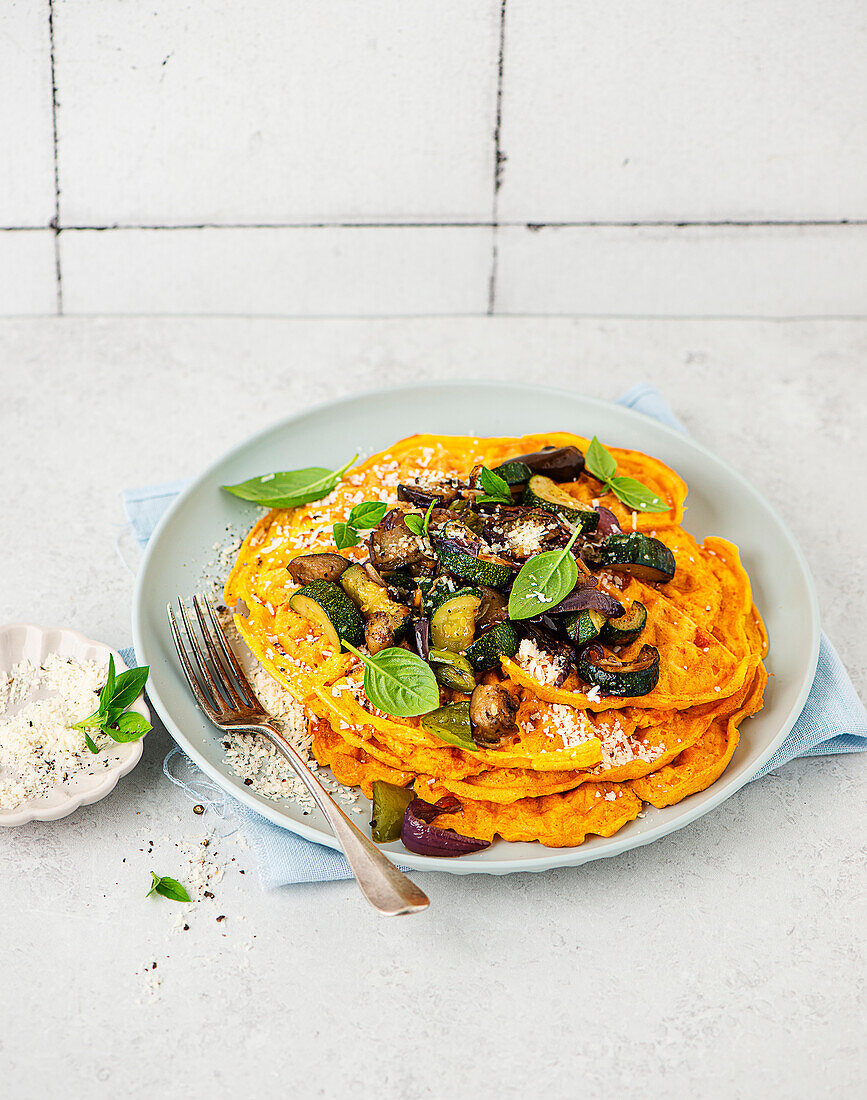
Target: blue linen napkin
x,y
284,858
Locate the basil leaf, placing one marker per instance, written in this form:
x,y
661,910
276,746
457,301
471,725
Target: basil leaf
x,y
90,721
598,461
367,514
108,687
345,536
636,496
398,682
169,888
291,488
128,727
543,582
496,488
415,523
88,740
427,515
128,687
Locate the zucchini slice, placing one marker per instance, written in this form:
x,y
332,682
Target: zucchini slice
x,y
583,626
542,492
474,570
372,598
452,670
487,650
453,625
327,605
514,472
614,677
625,629
639,555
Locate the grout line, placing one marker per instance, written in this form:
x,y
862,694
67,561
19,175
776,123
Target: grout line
x,y
496,224
758,318
499,160
55,224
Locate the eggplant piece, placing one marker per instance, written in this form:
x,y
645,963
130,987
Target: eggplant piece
x,y
421,637
494,608
525,532
492,714
317,567
557,463
442,493
561,655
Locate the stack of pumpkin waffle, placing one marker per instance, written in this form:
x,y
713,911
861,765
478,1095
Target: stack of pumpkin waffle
x,y
575,737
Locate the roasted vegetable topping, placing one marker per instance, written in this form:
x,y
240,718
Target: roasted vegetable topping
x,y
541,492
639,555
453,624
557,463
624,629
492,714
389,806
328,606
317,567
452,670
620,678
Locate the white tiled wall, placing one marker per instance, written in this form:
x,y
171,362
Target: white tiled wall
x,y
323,157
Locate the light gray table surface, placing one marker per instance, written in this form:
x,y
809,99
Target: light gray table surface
x,y
726,960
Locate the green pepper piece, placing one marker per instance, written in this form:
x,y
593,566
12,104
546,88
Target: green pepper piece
x,y
452,670
451,724
389,805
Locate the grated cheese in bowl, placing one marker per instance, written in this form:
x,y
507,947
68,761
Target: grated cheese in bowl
x,y
39,704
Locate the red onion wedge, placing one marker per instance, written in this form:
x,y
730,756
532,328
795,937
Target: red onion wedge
x,y
608,522
419,836
584,597
421,634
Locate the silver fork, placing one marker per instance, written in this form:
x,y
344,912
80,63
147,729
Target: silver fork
x,y
225,695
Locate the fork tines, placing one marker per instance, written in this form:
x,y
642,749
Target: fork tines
x,y
217,680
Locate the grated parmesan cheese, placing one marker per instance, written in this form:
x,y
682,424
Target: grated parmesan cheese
x,y
38,746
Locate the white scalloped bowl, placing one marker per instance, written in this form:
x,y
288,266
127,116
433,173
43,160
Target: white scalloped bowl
x,y
25,641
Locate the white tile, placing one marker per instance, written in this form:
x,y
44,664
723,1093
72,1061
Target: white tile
x,y
28,282
276,111
684,110
755,271
26,132
277,272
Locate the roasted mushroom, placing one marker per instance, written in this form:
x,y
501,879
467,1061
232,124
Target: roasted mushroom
x,y
378,632
494,608
317,567
492,714
393,546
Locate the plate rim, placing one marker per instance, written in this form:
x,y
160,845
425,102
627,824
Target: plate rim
x,y
559,857
112,776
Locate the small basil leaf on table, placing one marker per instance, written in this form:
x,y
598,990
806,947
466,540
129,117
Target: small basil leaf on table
x,y
398,682
168,887
345,536
291,488
543,582
636,496
366,515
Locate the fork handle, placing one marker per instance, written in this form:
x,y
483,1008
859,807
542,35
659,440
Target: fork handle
x,y
385,887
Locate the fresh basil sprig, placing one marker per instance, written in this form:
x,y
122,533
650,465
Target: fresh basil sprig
x,y
363,517
168,887
291,488
112,716
496,488
398,682
601,464
543,582
419,524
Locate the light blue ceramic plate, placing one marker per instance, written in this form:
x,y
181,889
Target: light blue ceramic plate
x,y
720,503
